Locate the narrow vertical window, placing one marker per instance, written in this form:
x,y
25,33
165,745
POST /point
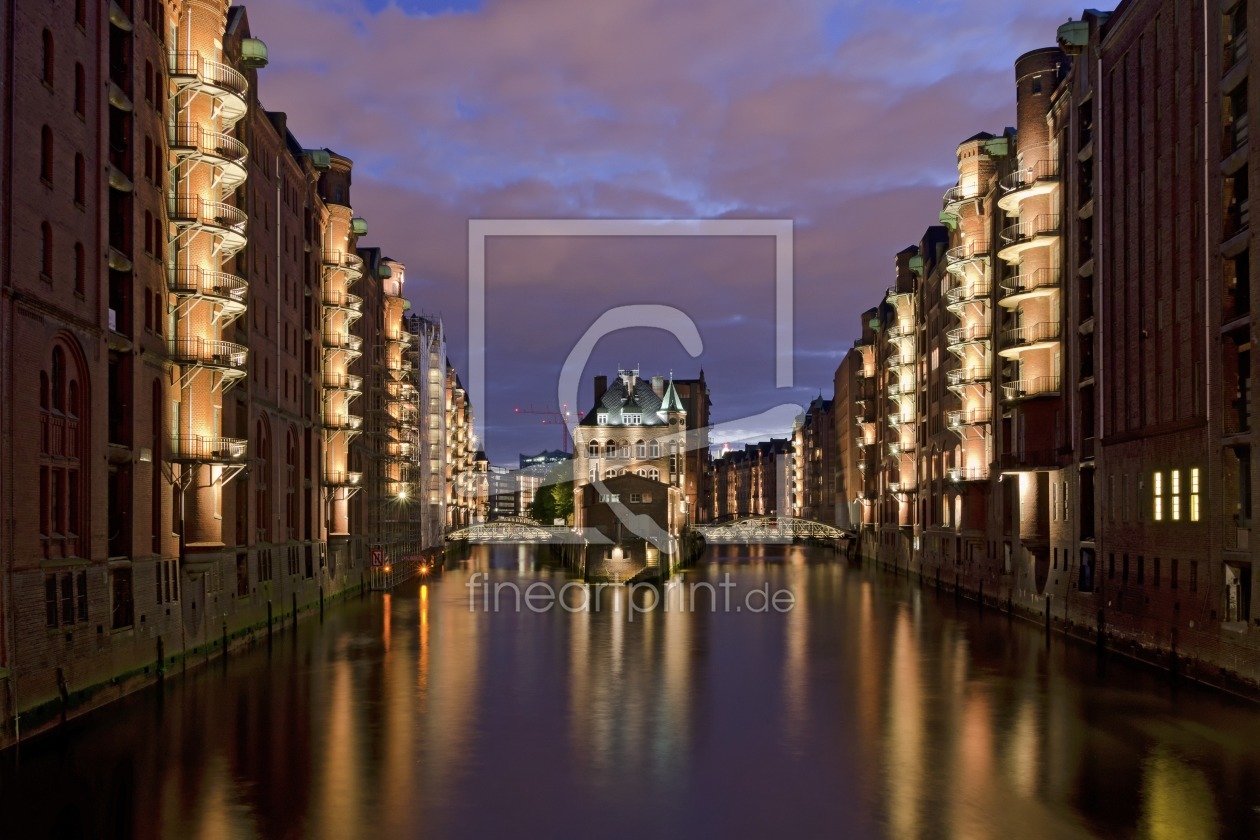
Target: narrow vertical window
x,y
1158,484
48,58
1194,494
50,600
1176,494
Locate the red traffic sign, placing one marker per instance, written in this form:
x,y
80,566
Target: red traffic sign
x,y
378,557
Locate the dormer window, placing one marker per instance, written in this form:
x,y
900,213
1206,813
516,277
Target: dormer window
x,y
632,419
601,419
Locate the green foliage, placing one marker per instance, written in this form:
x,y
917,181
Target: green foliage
x,y
554,499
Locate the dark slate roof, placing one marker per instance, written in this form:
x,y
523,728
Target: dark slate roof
x,y
619,400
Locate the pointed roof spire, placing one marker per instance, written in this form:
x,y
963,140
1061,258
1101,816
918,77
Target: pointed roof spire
x,y
671,401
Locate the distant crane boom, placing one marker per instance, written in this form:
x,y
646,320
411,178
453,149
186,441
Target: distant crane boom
x,y
552,417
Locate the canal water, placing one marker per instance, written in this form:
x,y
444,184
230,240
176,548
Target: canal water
x,y
866,707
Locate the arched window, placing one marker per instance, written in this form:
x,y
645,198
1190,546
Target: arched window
x,y
63,420
46,154
262,498
80,179
594,474
155,500
80,268
291,498
610,473
80,12
642,472
48,58
625,449
610,449
654,449
592,449
640,449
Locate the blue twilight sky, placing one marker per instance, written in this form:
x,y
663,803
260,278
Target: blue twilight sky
x,y
839,115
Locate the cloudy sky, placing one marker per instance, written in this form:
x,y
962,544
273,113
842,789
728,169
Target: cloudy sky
x,y
840,115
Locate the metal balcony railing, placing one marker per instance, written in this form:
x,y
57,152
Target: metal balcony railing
x,y
1022,284
967,252
967,291
192,137
901,488
343,381
194,210
209,353
1042,225
206,449
1027,176
191,281
961,474
341,421
1032,334
210,73
968,376
968,417
1036,386
968,335
955,196
343,478
353,343
343,300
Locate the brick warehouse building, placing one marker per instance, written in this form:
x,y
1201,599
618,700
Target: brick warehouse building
x,y
192,344
1051,404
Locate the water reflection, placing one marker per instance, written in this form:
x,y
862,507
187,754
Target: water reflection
x,y
872,708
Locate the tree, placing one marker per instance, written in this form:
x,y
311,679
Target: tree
x,y
554,499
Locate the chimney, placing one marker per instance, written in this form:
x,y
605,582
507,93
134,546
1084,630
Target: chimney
x,y
601,386
658,385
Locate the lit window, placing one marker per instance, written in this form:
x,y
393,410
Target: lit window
x,y
1159,497
609,498
632,419
1194,494
1176,495
601,419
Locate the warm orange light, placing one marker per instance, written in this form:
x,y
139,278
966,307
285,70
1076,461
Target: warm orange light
x,y
387,568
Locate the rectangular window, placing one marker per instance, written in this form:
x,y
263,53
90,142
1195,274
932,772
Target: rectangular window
x,y
122,607
50,600
636,498
1054,502
1194,575
1176,495
1159,497
81,587
67,598
1194,494
1066,510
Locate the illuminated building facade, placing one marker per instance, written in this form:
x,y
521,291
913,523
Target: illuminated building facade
x,y
193,344
1051,404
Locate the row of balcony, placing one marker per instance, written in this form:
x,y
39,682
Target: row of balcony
x,y
963,418
219,287
967,290
191,71
351,265
228,223
971,254
1030,337
222,151
225,356
1029,233
1029,181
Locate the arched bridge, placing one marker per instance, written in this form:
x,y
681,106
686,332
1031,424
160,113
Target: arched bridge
x,y
512,529
769,529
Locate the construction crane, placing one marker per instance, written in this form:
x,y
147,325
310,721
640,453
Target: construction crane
x,y
552,417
